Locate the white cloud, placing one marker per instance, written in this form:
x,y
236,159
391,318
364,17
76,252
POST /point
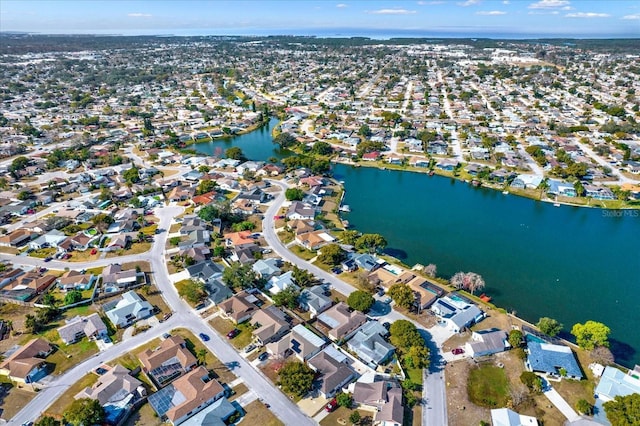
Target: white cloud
x,y
587,15
506,2
632,17
423,3
139,15
491,12
341,5
392,12
469,3
549,4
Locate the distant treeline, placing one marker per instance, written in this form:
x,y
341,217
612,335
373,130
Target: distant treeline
x,y
20,43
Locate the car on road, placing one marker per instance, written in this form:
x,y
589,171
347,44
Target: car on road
x,y
233,333
386,325
278,217
204,337
457,351
66,256
43,270
48,259
332,405
263,356
266,251
166,316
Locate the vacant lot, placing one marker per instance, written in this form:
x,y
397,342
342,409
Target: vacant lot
x,y
12,399
488,386
223,326
258,414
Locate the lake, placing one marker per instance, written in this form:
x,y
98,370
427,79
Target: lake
x,y
568,263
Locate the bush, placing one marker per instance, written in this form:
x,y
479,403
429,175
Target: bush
x,y
584,407
531,381
360,301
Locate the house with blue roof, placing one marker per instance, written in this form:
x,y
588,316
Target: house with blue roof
x,y
552,360
369,345
614,383
366,261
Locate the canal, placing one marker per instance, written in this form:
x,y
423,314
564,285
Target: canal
x,y
568,263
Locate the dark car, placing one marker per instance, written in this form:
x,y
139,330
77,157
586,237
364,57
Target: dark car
x,y
332,405
204,337
263,356
233,333
48,259
457,351
386,325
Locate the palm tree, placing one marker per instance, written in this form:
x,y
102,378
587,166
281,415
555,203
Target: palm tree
x,y
202,356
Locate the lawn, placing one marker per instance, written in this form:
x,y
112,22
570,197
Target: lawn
x,y
43,252
84,256
68,356
130,360
211,362
13,400
258,414
154,296
180,286
144,416
488,386
144,266
58,407
341,417
136,248
302,252
415,375
223,326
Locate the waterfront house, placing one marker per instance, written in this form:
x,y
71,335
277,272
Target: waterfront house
x,y
366,261
447,164
116,391
127,310
170,360
487,342
371,156
340,321
314,240
557,187
614,382
332,371
553,360
298,210
526,181
369,344
27,364
301,341
186,396
78,327
456,314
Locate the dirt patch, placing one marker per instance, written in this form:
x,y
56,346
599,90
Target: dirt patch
x,y
258,414
13,399
461,411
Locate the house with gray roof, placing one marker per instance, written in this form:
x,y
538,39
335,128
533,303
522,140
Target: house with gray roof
x,y
487,342
78,327
129,309
369,345
205,270
384,397
314,300
298,210
302,342
266,268
553,360
341,321
507,417
456,314
334,372
366,261
218,292
614,383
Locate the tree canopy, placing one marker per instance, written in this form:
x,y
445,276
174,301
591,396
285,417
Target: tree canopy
x,y
549,326
84,412
402,294
469,281
287,297
623,410
294,194
331,254
239,275
192,291
371,242
591,334
296,378
409,344
302,277
285,140
360,300
234,153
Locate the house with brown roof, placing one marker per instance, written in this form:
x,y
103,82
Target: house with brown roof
x,y
314,240
299,226
239,308
74,280
27,364
186,396
384,398
78,327
113,276
270,324
170,360
182,193
341,321
239,239
114,387
17,238
334,373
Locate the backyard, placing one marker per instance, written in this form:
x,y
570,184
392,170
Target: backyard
x,y
224,326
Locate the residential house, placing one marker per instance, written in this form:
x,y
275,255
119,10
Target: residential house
x,y
50,239
198,254
119,242
382,397
74,280
526,181
127,310
192,223
314,300
27,364
217,414
341,321
26,286
371,156
447,164
614,382
79,327
487,342
280,282
557,187
314,240
255,194
553,360
114,278
366,261
80,242
117,391
456,314
186,396
599,192
333,371
300,226
239,308
369,344
302,342
239,239
17,238
507,417
298,210
270,324
267,268
182,193
205,271
217,291
168,361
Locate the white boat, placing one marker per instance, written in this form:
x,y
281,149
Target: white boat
x,y
345,208
505,192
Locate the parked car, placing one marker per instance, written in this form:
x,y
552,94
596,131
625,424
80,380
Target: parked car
x,y
233,333
249,348
48,259
66,256
263,356
332,405
94,251
457,351
386,325
166,316
204,337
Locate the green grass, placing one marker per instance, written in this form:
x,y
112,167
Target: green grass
x,y
44,252
224,326
68,356
211,362
58,407
488,386
415,375
302,252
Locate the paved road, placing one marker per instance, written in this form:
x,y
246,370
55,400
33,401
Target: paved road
x,y
184,317
455,142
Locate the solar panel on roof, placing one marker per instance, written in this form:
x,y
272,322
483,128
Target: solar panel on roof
x,y
295,346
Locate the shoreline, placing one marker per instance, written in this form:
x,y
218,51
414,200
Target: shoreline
x,y
524,193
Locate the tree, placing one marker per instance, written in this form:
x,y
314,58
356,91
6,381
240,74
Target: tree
x,y
364,130
549,326
18,163
48,299
245,225
302,277
602,355
287,297
202,356
515,338
285,140
531,381
402,295
322,148
239,275
431,270
349,237
296,378
591,334
404,334
294,194
355,417
234,153
417,357
192,291
344,400
47,421
209,213
623,410
583,407
84,412
131,175
102,221
360,300
371,242
206,185
74,296
331,254
32,324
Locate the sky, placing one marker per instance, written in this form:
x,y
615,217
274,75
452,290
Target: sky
x,y
513,18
